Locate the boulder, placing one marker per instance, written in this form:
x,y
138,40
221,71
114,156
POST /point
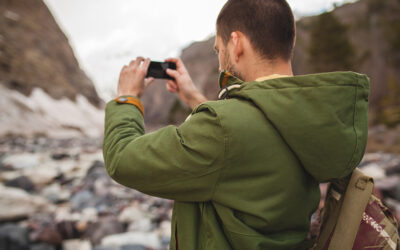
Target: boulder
x,y
13,237
22,203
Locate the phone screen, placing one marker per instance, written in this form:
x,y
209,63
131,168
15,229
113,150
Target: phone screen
x,y
158,69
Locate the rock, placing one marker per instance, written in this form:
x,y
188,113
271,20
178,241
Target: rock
x,y
388,183
164,231
23,204
22,161
13,237
55,193
106,248
81,199
132,238
22,182
68,230
374,170
130,214
60,156
107,225
49,235
42,247
133,247
42,175
76,245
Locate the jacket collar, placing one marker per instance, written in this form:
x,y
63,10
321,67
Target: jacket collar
x,y
226,79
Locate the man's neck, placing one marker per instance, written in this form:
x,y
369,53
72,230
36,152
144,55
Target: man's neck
x,y
258,70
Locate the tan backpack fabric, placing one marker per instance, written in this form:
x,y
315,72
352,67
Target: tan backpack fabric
x,y
353,218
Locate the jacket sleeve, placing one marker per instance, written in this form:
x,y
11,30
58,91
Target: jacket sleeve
x,y
180,163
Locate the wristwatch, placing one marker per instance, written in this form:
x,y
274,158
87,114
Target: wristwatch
x,y
130,100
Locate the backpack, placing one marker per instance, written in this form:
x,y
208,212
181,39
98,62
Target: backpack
x,y
354,218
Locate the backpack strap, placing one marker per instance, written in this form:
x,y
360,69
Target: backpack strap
x,y
355,200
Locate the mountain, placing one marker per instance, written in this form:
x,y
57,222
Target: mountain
x,y
372,28
42,88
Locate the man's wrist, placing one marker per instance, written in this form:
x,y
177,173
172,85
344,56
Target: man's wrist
x,y
197,99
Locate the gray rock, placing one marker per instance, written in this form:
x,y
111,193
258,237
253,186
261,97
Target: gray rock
x,y
81,199
13,237
106,248
108,225
42,247
133,247
22,182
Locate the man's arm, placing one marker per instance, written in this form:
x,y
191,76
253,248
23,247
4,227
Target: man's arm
x,y
180,163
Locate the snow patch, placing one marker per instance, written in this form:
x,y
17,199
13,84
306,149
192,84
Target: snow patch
x,y
39,113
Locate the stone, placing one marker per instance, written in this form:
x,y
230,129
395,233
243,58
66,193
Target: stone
x,y
133,238
22,203
22,182
133,247
42,247
107,225
388,183
374,170
13,237
60,156
81,199
42,175
55,193
106,248
76,245
21,161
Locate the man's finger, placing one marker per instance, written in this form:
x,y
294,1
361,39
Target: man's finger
x,y
172,73
172,84
139,59
148,81
146,64
131,63
124,68
170,89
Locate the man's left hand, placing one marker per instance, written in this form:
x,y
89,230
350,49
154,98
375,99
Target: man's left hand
x,y
132,79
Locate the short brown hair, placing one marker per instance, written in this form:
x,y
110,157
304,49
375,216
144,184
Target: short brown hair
x,y
269,24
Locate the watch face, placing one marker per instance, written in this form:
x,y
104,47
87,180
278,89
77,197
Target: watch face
x,y
122,99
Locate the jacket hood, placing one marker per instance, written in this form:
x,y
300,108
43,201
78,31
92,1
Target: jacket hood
x,y
322,117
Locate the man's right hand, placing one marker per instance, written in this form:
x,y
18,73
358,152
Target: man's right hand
x,y
183,84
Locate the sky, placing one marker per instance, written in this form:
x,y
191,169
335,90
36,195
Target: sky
x,y
105,34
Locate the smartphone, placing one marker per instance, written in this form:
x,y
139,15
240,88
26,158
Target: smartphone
x,y
158,69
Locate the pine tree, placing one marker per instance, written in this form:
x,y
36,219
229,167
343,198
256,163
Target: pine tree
x,y
330,48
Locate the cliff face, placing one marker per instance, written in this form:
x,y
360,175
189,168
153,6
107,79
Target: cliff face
x,y
367,22
34,52
371,29
43,91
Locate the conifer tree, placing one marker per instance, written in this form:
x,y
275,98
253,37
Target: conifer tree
x,y
330,48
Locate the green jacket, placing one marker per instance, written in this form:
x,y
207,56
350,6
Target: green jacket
x,y
244,171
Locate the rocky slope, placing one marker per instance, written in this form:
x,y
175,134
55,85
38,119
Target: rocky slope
x,y
367,32
368,24
41,84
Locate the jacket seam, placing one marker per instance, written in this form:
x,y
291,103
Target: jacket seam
x,y
354,128
226,145
259,86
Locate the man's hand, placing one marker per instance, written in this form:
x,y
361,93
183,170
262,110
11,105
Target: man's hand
x,y
132,78
183,84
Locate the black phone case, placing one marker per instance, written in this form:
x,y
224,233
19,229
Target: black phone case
x,y
158,70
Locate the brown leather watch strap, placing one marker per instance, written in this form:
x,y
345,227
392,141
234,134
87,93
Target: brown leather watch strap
x,y
131,100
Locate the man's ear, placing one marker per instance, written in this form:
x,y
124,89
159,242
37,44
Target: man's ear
x,y
237,44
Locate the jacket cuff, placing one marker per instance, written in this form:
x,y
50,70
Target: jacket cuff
x,y
133,100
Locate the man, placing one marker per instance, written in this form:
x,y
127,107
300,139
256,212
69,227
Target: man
x,y
244,170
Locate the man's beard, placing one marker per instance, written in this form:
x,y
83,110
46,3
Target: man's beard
x,y
230,67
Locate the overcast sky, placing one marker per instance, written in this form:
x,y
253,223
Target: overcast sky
x,y
106,34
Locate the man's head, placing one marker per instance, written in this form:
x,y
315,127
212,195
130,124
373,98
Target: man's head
x,y
254,32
